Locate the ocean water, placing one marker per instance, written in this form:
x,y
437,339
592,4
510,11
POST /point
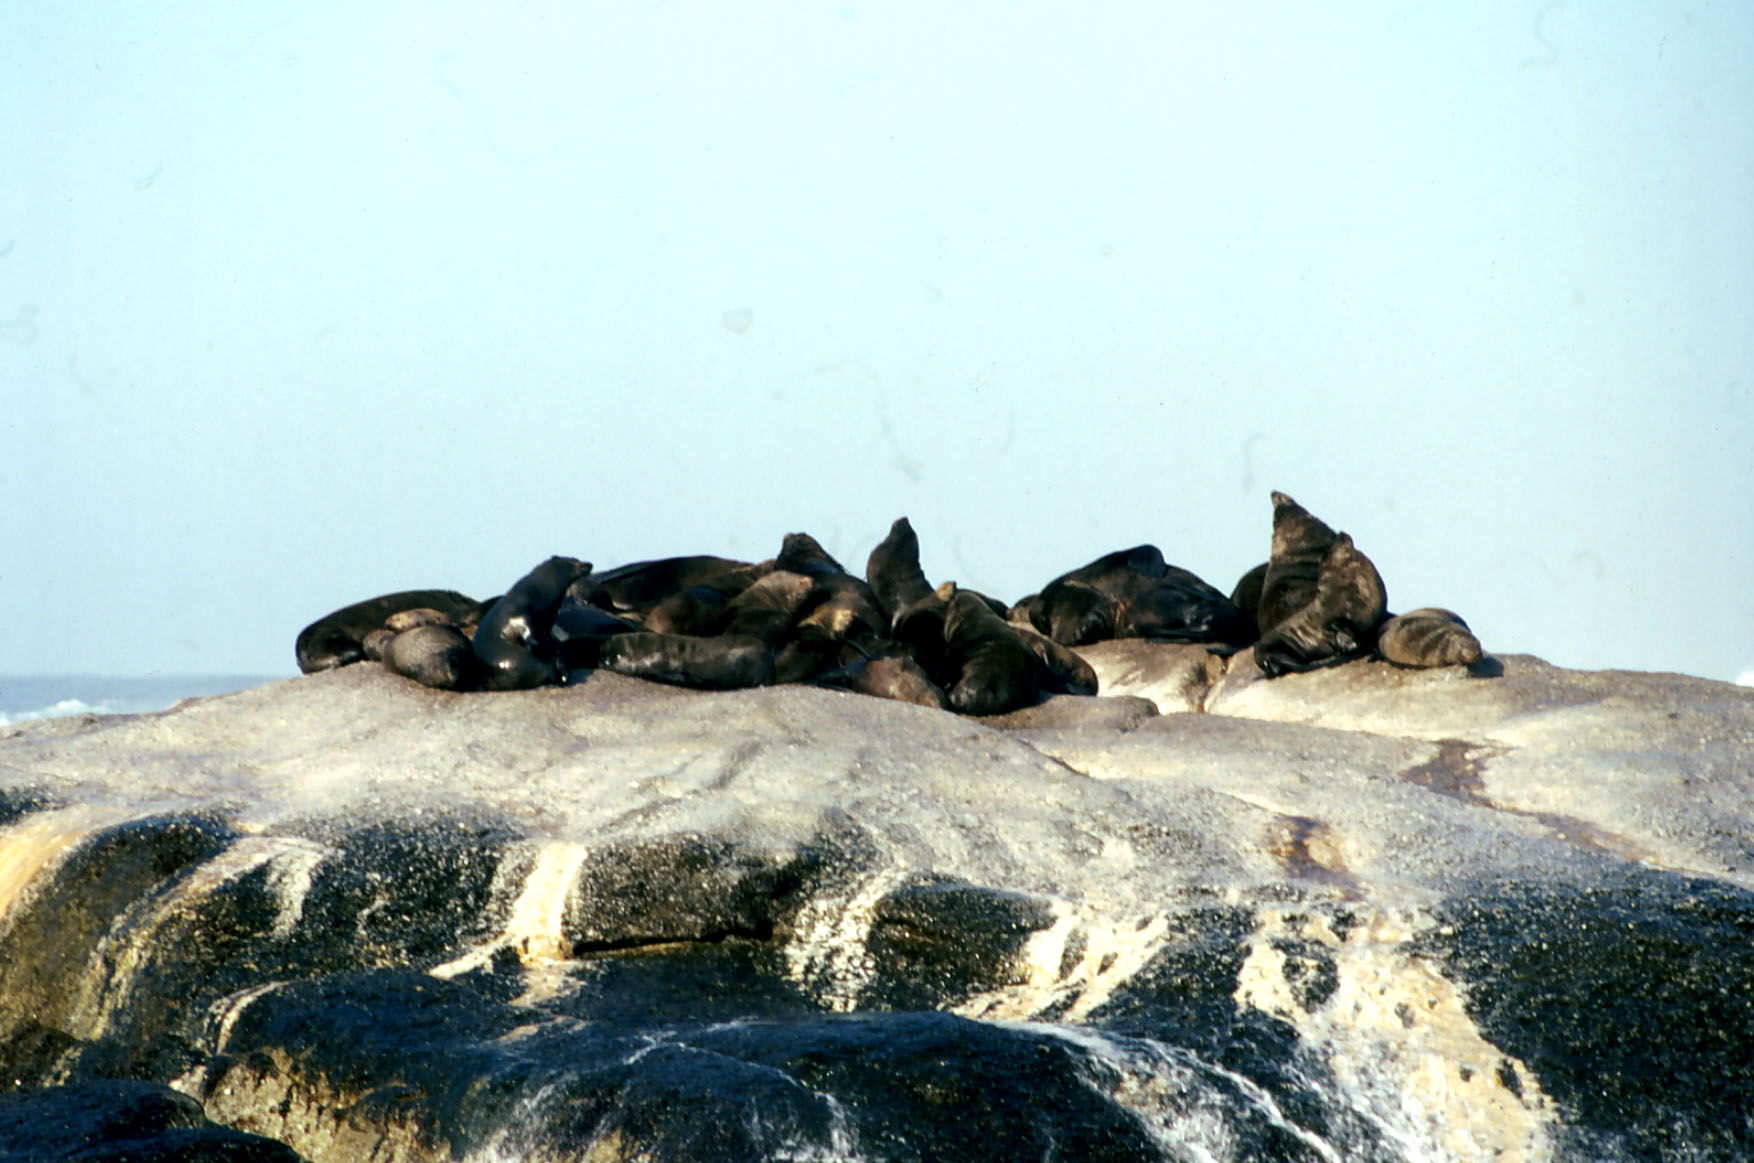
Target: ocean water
x,y
44,696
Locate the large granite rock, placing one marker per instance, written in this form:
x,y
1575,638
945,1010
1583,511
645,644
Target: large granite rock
x,y
1362,913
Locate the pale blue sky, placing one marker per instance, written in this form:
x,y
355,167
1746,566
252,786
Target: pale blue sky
x,y
303,305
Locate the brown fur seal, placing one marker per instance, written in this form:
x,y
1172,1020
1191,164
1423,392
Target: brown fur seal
x,y
580,628
887,676
995,670
434,654
1073,613
1064,671
1135,593
335,639
515,641
724,662
893,572
1428,637
643,584
920,628
1246,596
1300,546
1339,622
769,607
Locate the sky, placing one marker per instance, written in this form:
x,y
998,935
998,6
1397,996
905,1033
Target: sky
x,y
299,306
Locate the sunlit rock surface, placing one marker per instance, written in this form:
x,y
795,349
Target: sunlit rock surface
x,y
1362,913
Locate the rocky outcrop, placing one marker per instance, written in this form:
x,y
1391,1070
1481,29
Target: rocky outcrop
x,y
1359,913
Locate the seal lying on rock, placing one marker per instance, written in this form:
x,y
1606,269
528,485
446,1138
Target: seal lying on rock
x,y
1134,593
434,654
1428,637
337,639
723,662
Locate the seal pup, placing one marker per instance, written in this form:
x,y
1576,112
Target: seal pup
x,y
336,639
724,662
1428,637
893,572
515,641
1339,622
995,670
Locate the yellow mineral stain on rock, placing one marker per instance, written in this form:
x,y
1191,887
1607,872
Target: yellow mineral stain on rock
x,y
1397,1036
40,841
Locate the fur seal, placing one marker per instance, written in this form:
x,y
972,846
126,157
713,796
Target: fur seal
x,y
336,639
515,640
1300,546
886,676
1073,613
1339,622
844,608
1063,670
1135,593
893,572
1428,637
1246,595
768,607
580,628
434,654
920,628
643,584
724,662
1182,607
995,670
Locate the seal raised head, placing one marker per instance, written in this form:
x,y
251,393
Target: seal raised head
x,y
1337,624
893,571
515,640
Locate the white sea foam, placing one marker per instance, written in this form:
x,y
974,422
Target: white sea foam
x,y
24,698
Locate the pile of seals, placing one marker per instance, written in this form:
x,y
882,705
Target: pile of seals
x,y
717,623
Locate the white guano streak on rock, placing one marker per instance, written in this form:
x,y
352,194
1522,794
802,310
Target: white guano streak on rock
x,y
827,956
1398,1039
1185,1103
1112,952
107,984
536,925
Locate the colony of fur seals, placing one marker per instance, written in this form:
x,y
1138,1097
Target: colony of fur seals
x,y
718,623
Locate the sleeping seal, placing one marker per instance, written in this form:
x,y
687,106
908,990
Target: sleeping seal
x,y
725,662
1428,637
336,639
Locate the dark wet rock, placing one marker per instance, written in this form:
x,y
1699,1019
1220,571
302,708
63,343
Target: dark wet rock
x,y
122,1122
